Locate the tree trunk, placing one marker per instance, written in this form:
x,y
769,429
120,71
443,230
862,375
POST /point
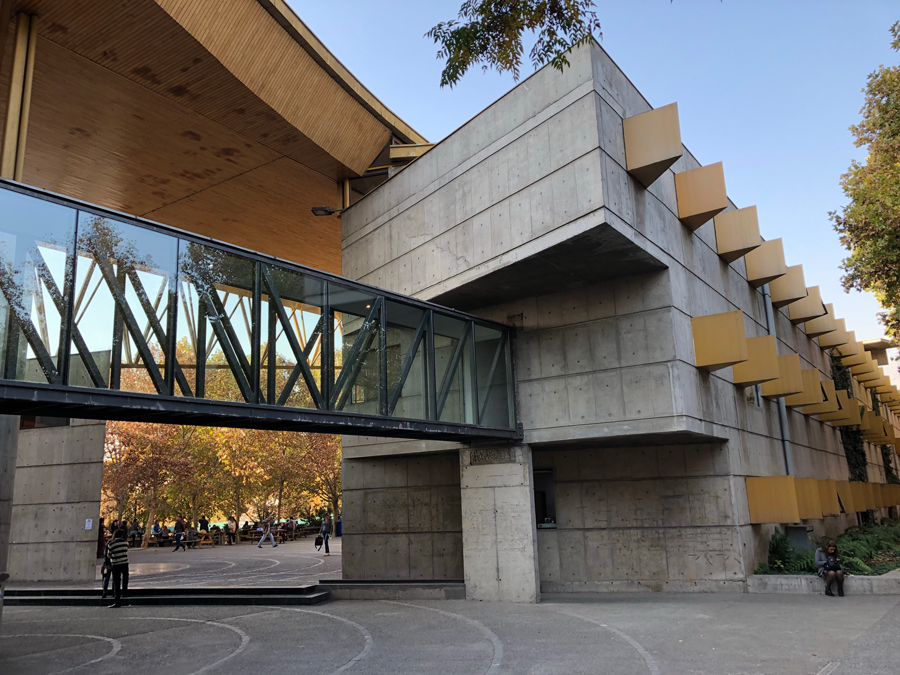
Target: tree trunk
x,y
280,495
194,510
151,512
334,517
237,513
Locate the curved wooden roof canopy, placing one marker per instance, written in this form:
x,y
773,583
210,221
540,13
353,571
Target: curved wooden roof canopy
x,y
228,119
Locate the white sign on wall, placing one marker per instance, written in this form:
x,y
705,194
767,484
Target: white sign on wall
x,y
89,523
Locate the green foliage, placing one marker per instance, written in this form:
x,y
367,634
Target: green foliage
x,y
853,565
869,225
489,33
851,437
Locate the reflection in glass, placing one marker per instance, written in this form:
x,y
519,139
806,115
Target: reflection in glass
x,y
124,278
491,359
407,375
357,385
36,260
453,369
215,321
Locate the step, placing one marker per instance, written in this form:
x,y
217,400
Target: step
x,y
138,591
94,600
808,584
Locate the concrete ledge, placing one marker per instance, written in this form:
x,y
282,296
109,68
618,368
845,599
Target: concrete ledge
x,y
646,586
345,590
800,584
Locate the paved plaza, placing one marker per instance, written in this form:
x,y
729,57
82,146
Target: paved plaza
x,y
618,634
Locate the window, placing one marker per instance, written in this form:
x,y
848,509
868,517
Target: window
x,y
42,422
545,499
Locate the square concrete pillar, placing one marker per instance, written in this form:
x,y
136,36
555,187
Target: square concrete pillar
x,y
9,439
789,288
766,263
499,533
700,194
652,143
737,233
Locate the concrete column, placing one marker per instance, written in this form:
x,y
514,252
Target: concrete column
x,y
59,478
499,533
9,437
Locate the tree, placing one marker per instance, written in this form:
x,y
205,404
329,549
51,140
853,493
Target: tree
x,y
321,471
869,225
489,33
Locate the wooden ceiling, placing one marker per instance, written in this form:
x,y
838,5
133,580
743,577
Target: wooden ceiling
x,y
201,114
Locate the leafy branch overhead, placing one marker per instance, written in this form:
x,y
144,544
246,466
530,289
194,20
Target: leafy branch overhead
x,y
489,33
869,225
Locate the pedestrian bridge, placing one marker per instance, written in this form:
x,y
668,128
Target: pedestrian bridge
x,y
108,316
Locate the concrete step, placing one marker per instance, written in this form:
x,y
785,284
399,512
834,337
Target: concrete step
x,y
397,589
800,584
139,591
305,595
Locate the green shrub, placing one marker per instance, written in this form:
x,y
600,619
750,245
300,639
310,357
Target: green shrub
x,y
852,565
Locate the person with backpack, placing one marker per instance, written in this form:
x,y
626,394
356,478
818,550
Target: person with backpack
x,y
267,532
326,532
117,552
828,562
179,534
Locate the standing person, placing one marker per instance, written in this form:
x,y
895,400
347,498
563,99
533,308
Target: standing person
x,y
829,565
326,532
101,539
231,530
267,532
179,534
105,573
117,551
203,524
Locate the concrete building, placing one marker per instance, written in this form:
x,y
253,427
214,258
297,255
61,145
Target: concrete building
x,y
673,378
638,445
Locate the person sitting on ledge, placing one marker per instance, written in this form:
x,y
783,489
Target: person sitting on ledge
x,y
828,562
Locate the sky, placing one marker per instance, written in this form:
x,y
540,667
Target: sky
x,y
769,87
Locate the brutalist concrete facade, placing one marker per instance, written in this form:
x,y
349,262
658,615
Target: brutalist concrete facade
x,y
526,215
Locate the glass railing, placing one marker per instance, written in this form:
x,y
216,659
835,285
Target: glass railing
x,y
97,300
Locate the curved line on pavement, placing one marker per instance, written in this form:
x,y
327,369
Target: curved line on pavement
x,y
362,629
245,638
638,647
491,635
116,647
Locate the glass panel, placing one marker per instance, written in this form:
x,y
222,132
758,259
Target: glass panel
x,y
493,382
36,251
403,323
358,390
216,308
453,379
302,299
119,261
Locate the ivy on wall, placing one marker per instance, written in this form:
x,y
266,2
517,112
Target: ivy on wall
x,y
851,437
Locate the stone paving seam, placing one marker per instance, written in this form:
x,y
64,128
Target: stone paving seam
x,y
491,635
638,647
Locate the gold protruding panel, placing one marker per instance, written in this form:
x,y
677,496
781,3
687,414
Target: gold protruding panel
x,y
862,496
828,497
719,340
766,263
761,364
701,194
850,413
790,380
867,366
829,405
788,288
851,347
845,494
837,337
812,390
737,233
823,324
808,308
808,502
772,499
652,143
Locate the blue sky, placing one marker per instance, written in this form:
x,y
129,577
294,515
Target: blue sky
x,y
768,87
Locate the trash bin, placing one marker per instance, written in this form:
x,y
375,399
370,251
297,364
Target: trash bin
x,y
338,530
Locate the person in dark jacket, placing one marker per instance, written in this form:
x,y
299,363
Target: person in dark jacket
x,y
179,534
117,552
828,563
203,524
325,531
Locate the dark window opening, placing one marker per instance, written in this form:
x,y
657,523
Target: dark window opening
x,y
42,422
545,499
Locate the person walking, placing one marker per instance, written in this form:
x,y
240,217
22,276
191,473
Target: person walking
x,y
326,532
117,551
231,530
179,534
267,532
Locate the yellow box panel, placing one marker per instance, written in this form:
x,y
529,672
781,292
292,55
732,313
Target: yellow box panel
x,y
772,499
808,503
652,143
829,405
826,323
737,233
789,288
849,348
808,308
861,496
812,390
836,338
761,364
870,494
867,366
828,497
766,263
845,494
719,340
851,407
700,194
790,380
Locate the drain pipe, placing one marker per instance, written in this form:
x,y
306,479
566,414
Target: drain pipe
x,y
782,408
